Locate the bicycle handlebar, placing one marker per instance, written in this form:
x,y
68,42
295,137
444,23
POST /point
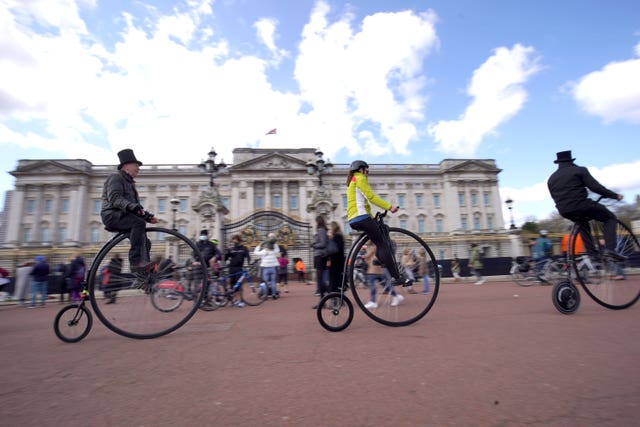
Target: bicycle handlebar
x,y
381,215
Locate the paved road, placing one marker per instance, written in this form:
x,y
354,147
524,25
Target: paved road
x,y
490,355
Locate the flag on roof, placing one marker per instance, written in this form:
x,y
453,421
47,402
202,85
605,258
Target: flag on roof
x,y
272,132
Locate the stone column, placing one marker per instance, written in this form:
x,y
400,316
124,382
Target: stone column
x,y
55,214
37,217
78,212
302,196
285,197
267,194
14,223
251,201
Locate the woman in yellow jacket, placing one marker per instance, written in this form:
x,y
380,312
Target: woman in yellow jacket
x,y
360,196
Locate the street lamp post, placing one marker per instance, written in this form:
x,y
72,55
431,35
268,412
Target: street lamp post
x,y
174,207
211,167
319,166
210,206
509,203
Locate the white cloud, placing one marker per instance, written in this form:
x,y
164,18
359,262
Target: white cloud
x,y
266,32
373,76
171,87
619,177
497,89
612,93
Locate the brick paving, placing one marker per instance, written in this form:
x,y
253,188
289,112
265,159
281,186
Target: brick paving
x,y
490,355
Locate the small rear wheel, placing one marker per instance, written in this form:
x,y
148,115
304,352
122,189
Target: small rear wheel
x,y
565,297
335,312
73,323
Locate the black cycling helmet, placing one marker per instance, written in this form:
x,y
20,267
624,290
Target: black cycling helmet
x,y
357,164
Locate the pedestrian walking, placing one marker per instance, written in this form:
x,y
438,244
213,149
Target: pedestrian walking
x,y
320,255
476,264
39,281
336,256
423,270
23,283
455,269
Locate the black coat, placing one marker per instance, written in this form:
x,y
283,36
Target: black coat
x,y
568,187
236,255
208,250
119,196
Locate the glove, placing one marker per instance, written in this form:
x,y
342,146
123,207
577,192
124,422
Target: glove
x,y
149,217
135,208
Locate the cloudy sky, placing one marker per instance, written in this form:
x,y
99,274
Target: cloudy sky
x,y
389,81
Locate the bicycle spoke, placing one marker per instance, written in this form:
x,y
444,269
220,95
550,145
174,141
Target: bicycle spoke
x,y
613,283
153,303
396,304
335,312
73,323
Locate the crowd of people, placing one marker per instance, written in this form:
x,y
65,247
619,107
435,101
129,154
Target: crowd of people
x,y
122,211
33,278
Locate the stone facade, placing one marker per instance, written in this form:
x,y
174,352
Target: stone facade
x,y
56,203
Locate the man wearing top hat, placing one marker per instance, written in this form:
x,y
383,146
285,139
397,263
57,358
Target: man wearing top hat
x,y
568,187
121,209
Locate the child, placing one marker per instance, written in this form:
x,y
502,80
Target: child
x,y
283,276
301,269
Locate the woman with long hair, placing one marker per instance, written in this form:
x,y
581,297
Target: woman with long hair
x,y
268,253
360,196
319,245
336,256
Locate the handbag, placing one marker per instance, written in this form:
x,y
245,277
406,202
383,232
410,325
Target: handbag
x,y
332,247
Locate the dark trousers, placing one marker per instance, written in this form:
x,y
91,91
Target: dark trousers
x,y
383,250
320,264
600,213
335,276
137,228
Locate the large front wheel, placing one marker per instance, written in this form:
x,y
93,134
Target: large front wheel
x,y
396,303
148,304
612,281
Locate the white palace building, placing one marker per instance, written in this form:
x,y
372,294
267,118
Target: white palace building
x,y
55,206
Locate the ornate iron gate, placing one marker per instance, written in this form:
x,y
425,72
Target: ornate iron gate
x,y
291,234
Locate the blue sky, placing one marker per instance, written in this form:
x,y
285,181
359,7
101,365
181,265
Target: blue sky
x,y
389,81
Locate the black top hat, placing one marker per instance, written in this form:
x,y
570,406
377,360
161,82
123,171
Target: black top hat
x,y
127,156
563,156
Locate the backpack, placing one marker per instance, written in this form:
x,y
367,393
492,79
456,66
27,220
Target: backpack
x,y
103,277
78,275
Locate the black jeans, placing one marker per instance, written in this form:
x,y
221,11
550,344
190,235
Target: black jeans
x,y
137,228
600,213
370,227
320,265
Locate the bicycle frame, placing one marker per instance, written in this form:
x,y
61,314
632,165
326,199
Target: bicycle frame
x,y
335,310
